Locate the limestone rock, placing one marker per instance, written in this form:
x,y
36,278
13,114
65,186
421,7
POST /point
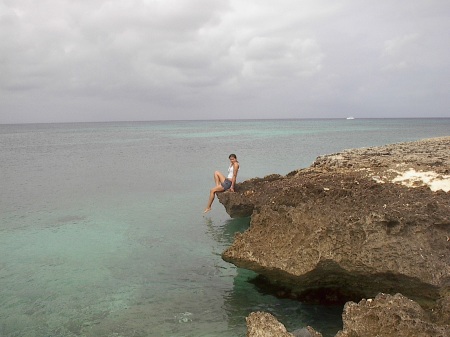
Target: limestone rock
x,y
332,231
353,225
387,316
263,324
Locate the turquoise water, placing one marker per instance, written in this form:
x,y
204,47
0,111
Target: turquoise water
x,y
102,231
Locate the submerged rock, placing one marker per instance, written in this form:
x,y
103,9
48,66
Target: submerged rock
x,y
354,224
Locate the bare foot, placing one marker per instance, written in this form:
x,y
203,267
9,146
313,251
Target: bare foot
x,y
207,210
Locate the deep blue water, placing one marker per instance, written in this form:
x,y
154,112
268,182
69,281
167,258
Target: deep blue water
x,y
102,231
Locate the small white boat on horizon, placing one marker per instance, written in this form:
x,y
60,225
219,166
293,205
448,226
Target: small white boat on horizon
x,y
350,117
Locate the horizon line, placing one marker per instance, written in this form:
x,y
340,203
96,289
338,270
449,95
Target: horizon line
x,y
220,120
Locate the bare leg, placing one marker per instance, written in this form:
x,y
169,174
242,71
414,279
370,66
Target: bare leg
x,y
212,194
218,178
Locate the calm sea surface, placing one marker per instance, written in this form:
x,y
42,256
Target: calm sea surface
x,y
102,231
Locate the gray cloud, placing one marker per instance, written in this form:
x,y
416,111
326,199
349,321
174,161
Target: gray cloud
x,y
198,59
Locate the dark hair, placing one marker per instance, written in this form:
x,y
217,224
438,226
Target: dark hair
x,y
232,156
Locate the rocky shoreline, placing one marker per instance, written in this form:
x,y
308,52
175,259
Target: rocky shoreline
x,y
356,225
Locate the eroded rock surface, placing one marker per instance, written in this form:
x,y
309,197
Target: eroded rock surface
x,y
354,224
387,316
263,324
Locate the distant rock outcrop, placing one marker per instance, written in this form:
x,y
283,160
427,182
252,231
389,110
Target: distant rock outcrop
x,y
351,226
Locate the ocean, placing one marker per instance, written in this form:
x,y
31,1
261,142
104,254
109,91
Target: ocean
x,y
102,231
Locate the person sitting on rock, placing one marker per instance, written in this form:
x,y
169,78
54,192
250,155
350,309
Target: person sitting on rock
x,y
224,183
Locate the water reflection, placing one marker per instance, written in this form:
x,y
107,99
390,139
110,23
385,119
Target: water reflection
x,y
223,231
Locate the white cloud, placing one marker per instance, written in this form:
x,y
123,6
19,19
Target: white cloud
x,y
401,52
273,58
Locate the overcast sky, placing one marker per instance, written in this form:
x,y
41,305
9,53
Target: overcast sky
x,y
99,60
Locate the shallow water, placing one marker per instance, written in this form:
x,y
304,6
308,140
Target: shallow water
x,y
102,231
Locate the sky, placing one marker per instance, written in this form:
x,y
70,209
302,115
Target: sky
x,y
119,60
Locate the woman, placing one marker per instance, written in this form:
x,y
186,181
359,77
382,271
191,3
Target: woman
x,y
222,183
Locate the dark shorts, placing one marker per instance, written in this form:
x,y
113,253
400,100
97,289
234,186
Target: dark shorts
x,y
226,184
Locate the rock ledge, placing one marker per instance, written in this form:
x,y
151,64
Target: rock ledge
x,y
351,226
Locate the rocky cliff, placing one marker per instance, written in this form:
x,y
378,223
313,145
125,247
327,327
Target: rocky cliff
x,y
352,225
